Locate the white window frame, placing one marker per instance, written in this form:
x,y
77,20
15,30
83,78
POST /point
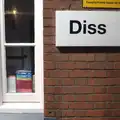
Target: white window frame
x,y
23,99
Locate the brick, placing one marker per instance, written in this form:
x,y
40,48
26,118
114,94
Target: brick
x,y
46,74
49,82
49,98
63,105
95,113
78,57
80,97
50,49
49,4
68,82
84,89
55,57
49,90
100,57
77,5
100,98
112,81
49,40
99,90
90,57
104,81
61,57
96,65
65,65
97,73
116,97
113,57
56,4
52,82
80,105
73,113
113,105
113,73
116,113
53,90
82,57
58,105
80,81
49,65
65,5
79,73
58,114
57,98
49,31
48,13
109,65
93,81
68,98
113,90
99,105
52,98
58,73
81,65
49,22
117,65
108,112
81,89
49,113
69,90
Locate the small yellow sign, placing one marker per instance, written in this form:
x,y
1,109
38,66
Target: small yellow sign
x,y
101,3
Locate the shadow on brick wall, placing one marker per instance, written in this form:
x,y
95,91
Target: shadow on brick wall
x,y
89,49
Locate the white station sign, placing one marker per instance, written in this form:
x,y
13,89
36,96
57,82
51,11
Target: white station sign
x,y
87,28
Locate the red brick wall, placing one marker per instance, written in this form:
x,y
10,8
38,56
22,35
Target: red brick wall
x,y
78,86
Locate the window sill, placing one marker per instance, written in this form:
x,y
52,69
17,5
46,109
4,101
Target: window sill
x,y
21,108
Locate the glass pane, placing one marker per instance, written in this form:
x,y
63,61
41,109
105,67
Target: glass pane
x,y
19,21
20,69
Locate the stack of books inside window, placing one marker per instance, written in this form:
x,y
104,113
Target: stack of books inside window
x,y
20,80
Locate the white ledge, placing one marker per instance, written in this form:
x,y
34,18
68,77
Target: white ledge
x,y
21,108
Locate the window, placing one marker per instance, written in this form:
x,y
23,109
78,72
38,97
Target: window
x,y
21,44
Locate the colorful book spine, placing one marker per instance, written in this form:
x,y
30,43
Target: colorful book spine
x,y
23,81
